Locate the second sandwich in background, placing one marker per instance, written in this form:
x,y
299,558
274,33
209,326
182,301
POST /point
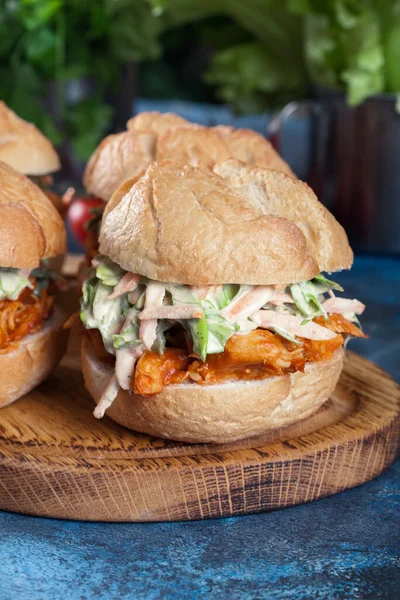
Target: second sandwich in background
x,y
24,148
159,136
208,317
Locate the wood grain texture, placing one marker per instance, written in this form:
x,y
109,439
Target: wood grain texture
x,y
56,460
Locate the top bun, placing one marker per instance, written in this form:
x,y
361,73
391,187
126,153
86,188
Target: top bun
x,y
184,224
30,227
277,194
193,145
118,157
23,147
156,121
252,148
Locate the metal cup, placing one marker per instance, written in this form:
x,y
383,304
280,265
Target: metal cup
x,y
354,164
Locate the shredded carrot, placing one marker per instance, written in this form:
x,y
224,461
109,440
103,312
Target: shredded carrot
x,y
21,317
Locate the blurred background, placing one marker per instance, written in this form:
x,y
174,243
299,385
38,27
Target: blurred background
x,y
320,78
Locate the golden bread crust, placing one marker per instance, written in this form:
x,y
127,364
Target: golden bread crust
x,y
187,225
24,147
31,229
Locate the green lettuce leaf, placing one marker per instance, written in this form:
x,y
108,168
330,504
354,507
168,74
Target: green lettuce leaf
x,y
198,331
160,343
209,334
197,328
305,296
129,334
108,272
285,334
219,329
12,283
326,284
98,312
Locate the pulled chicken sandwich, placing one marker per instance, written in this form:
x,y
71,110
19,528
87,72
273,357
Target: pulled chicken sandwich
x,y
208,315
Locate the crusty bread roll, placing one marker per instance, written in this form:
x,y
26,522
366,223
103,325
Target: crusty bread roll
x,y
156,121
277,194
193,145
186,224
118,157
161,136
33,359
30,227
24,147
234,224
252,148
216,413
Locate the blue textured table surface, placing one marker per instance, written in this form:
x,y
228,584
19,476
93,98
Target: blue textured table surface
x,y
342,547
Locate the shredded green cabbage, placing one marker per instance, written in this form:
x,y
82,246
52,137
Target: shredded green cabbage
x,y
118,322
12,283
307,298
129,334
108,272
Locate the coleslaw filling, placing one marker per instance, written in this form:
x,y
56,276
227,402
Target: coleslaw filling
x,y
135,315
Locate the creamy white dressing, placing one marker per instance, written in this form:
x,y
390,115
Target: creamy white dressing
x,y
134,296
107,398
252,300
170,312
279,298
245,304
155,293
202,291
108,315
148,333
12,282
125,361
293,324
132,313
128,283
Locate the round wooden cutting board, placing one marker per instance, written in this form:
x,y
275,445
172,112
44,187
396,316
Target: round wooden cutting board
x,y
57,460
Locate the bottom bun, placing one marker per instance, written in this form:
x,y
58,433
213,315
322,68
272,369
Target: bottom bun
x,y
216,413
33,359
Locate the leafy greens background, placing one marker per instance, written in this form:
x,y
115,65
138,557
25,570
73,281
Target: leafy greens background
x,y
253,54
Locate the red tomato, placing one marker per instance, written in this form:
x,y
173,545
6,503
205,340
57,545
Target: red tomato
x,y
79,213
